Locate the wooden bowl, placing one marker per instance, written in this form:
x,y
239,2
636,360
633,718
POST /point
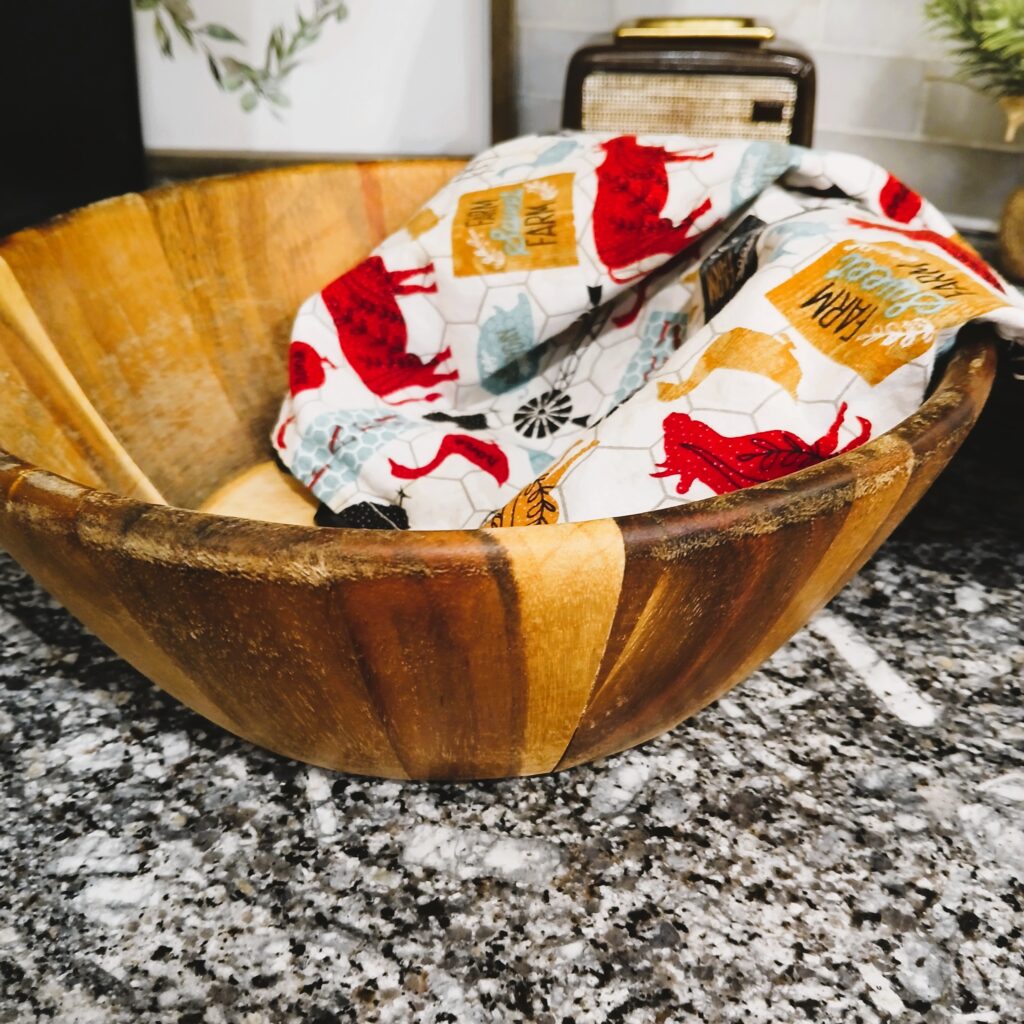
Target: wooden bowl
x,y
429,655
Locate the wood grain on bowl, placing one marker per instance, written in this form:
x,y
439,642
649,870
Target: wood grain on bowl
x,y
142,360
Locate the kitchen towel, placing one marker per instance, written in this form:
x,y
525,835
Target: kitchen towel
x,y
587,325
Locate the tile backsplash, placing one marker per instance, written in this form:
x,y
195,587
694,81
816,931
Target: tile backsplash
x,y
883,87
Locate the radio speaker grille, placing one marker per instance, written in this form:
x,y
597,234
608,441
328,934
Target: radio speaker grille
x,y
720,106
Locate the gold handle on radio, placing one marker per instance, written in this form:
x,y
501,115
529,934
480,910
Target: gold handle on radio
x,y
738,29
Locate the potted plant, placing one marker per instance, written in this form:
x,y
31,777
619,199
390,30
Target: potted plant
x,y
988,46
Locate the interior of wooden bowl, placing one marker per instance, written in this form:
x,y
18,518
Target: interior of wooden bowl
x,y
143,340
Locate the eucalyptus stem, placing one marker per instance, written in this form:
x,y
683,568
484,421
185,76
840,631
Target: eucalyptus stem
x,y
282,54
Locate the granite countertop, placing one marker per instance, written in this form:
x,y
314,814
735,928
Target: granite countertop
x,y
840,839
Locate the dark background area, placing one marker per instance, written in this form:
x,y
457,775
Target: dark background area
x,y
69,107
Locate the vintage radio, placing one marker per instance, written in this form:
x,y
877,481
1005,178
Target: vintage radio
x,y
709,77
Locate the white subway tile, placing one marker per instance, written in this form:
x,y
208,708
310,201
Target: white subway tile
x,y
869,92
955,113
539,115
897,27
582,15
544,57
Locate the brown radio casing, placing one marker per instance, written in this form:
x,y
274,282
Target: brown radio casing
x,y
706,86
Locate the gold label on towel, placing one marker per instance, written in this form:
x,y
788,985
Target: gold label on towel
x,y
527,226
875,306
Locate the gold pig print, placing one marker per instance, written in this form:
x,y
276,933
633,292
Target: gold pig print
x,y
741,349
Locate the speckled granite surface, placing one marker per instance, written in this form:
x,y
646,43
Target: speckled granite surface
x,y
840,839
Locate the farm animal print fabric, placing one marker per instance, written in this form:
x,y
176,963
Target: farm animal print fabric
x,y
582,325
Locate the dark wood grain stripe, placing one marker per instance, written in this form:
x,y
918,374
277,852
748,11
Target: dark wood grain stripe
x,y
440,647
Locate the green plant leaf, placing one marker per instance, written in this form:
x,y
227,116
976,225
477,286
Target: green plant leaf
x,y
215,70
240,69
986,39
221,32
163,37
282,48
275,47
180,10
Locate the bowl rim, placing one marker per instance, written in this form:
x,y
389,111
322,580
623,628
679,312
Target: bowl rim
x,y
257,548
166,533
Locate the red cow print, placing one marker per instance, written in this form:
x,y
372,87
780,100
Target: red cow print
x,y
632,189
306,367
484,455
372,331
694,451
899,202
